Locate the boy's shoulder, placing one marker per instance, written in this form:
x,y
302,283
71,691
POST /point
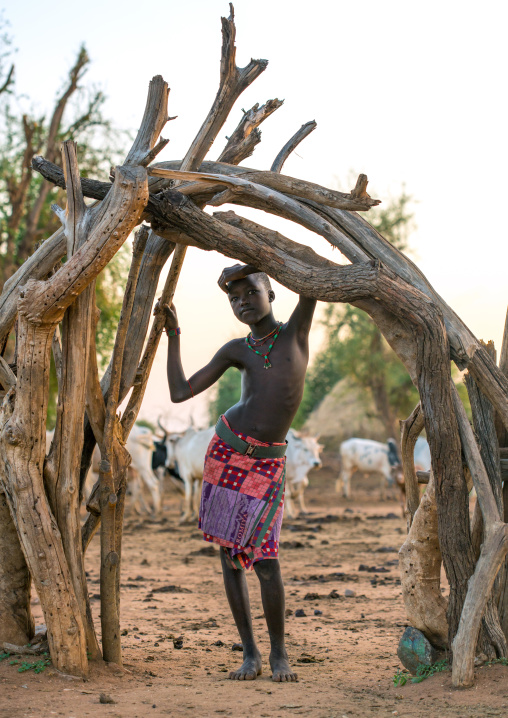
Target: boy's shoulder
x,y
233,346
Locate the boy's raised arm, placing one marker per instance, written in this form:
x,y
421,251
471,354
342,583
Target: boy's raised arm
x,y
301,318
181,388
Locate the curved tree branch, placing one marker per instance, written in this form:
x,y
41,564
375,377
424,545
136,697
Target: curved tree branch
x,y
292,144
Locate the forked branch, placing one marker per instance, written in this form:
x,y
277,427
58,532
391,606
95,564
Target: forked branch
x,y
244,139
233,81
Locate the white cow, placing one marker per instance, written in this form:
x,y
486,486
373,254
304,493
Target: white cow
x,y
368,457
140,446
422,454
186,453
302,456
422,462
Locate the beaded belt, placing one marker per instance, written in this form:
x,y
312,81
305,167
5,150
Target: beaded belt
x,y
243,447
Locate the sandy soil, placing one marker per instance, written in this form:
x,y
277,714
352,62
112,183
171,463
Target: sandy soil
x,y
345,656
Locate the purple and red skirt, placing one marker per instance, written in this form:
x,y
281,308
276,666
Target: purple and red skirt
x,y
242,502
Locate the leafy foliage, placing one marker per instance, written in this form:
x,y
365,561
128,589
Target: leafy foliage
x,y
400,678
422,672
26,217
25,209
498,661
35,666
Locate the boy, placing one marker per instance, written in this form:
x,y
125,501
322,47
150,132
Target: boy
x,y
243,482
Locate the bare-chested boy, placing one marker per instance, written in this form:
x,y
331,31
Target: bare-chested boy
x,y
243,483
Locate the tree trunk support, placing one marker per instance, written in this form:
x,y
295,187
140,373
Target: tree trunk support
x,y
411,428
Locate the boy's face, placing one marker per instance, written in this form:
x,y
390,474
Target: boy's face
x,y
250,300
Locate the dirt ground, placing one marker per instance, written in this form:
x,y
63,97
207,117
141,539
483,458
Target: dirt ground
x,y
178,634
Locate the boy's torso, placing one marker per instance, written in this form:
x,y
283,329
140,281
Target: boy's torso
x,y
270,397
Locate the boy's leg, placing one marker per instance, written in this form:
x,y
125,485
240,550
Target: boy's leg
x,y
272,594
238,597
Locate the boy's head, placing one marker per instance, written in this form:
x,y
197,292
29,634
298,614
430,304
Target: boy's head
x,y
251,297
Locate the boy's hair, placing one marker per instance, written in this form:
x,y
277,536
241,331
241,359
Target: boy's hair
x,y
263,278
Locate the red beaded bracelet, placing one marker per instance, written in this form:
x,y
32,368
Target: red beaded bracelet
x,y
173,332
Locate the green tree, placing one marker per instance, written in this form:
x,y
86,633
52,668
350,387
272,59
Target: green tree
x,y
26,217
6,53
25,208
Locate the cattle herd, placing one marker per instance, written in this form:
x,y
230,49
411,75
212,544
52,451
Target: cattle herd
x,y
179,458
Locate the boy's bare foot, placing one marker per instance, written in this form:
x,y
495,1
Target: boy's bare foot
x,y
281,670
250,669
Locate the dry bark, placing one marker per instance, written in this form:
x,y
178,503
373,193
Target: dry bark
x,y
420,571
502,435
255,183
16,621
483,419
132,409
361,242
52,148
246,136
411,428
233,81
41,306
156,253
112,475
38,266
62,466
493,552
292,144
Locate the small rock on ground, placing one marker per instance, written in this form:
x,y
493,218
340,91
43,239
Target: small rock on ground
x,y
415,650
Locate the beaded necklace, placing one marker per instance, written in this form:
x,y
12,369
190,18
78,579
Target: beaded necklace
x,y
267,364
256,342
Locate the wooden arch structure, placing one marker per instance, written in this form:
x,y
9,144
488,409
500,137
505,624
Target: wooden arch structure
x,y
41,538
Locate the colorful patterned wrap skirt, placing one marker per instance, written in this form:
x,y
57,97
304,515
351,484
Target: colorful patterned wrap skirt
x,y
242,502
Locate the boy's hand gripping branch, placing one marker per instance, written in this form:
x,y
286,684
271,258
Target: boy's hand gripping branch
x,y
170,318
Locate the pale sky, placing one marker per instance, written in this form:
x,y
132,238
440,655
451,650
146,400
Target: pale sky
x,y
411,94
